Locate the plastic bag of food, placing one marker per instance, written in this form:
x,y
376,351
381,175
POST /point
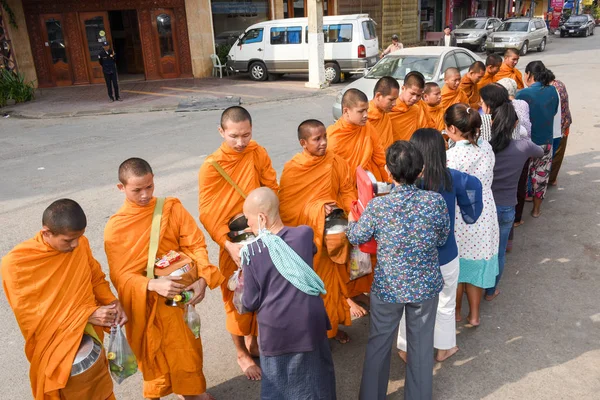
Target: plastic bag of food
x,y
238,292
192,319
121,360
360,264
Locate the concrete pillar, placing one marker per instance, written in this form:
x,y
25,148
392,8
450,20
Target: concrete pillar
x,y
277,9
20,41
200,32
316,46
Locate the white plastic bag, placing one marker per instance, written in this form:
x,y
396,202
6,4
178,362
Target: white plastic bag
x,y
121,360
192,319
238,292
360,264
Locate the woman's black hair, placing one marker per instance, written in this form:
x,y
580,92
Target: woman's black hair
x,y
465,119
540,73
504,117
404,162
431,144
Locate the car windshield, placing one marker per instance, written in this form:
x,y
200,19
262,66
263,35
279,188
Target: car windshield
x,y
472,24
399,66
577,19
513,27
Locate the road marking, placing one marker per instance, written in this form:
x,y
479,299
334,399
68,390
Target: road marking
x,y
154,94
213,92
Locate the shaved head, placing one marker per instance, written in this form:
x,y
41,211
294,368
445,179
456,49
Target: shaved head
x,y
64,216
133,167
477,67
385,86
493,60
429,86
414,79
451,72
353,97
305,128
511,52
235,114
261,208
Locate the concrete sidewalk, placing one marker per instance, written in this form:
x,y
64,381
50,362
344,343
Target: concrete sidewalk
x,y
162,95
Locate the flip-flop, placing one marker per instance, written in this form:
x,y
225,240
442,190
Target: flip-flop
x,y
536,216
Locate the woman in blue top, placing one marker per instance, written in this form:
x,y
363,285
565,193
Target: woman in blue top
x,y
543,106
455,187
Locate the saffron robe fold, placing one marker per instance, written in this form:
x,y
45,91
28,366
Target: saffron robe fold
x,y
218,202
168,354
383,125
435,115
406,120
451,97
307,184
471,90
359,145
512,73
486,80
52,295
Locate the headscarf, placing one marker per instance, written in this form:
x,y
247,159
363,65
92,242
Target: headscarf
x,y
510,85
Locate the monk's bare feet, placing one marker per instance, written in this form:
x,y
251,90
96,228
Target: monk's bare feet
x,y
342,337
517,224
362,298
356,311
472,321
249,367
203,396
492,297
251,343
443,355
402,355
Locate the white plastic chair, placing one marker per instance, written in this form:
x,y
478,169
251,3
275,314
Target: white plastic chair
x,y
218,67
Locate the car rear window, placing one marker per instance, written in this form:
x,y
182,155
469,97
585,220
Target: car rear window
x,y
369,31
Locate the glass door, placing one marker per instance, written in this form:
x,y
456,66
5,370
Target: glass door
x,y
96,30
165,38
56,49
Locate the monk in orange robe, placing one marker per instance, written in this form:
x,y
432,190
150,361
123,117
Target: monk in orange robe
x,y
354,139
385,94
451,93
508,69
313,184
168,353
492,66
58,291
431,103
249,167
468,84
407,116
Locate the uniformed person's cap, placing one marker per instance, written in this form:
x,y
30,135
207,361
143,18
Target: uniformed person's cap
x,y
105,44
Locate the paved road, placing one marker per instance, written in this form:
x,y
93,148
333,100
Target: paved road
x,y
540,339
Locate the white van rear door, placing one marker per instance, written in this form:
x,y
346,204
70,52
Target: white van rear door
x,y
368,37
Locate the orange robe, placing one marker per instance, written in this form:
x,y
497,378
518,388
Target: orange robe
x,y
383,125
435,115
307,184
512,73
219,202
359,145
52,295
451,97
486,80
168,354
406,120
471,90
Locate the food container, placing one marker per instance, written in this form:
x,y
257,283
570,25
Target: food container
x,y
239,231
87,355
336,222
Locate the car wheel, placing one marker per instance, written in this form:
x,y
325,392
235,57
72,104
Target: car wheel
x,y
481,48
592,34
524,49
332,72
542,46
562,34
258,71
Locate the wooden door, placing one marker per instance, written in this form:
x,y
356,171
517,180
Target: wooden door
x,y
165,40
95,30
56,50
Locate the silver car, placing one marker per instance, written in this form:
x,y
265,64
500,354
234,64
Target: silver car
x,y
473,32
522,34
431,61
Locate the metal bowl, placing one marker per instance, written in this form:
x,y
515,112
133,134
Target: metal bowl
x,y
87,355
335,222
238,223
240,236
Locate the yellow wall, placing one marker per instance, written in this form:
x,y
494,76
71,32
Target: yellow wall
x,y
540,8
20,42
200,31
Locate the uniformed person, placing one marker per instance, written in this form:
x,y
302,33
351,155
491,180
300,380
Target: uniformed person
x,y
106,57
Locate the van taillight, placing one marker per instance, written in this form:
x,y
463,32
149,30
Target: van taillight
x,y
362,52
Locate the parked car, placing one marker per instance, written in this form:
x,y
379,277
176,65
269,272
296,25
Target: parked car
x,y
431,61
578,25
227,38
281,46
473,32
522,34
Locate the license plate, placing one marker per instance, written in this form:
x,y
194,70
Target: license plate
x,y
500,45
572,31
459,40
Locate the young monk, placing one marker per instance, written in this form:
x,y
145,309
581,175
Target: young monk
x,y
58,293
508,69
249,167
451,93
313,184
406,115
468,84
385,94
492,66
169,355
431,103
354,139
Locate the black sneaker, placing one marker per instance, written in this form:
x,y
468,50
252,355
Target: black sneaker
x,y
111,100
119,99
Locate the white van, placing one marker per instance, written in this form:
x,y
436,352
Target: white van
x,y
281,46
